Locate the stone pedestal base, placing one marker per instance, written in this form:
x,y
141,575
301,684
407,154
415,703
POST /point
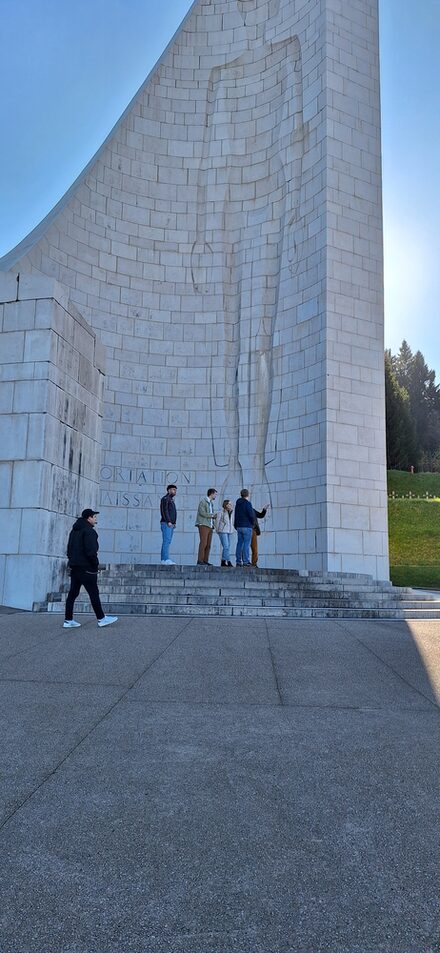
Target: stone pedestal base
x,y
51,385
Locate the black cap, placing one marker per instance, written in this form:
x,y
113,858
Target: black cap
x,y
86,513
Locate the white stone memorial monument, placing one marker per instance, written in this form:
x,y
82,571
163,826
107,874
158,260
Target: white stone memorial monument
x,y
204,306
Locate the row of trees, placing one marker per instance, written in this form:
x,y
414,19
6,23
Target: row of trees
x,y
412,412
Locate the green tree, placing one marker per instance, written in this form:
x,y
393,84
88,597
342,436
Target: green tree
x,y
413,373
402,450
402,363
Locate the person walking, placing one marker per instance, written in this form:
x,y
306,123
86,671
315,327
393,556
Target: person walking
x,y
168,519
205,522
82,553
256,532
225,527
244,523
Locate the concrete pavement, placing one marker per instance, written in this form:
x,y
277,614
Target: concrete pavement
x,y
173,785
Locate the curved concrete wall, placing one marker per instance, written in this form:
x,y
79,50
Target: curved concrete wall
x,y
225,245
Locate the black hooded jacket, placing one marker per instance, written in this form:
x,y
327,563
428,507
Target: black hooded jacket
x,y
82,547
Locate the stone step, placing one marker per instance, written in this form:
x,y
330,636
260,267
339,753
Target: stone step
x,y
125,603
158,569
259,591
139,581
283,612
190,600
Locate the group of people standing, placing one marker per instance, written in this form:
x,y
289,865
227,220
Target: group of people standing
x,y
242,519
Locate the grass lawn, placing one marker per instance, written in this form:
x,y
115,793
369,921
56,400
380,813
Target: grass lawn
x,y
414,534
418,484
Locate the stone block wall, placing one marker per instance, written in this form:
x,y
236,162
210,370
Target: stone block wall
x,y
356,458
225,246
51,386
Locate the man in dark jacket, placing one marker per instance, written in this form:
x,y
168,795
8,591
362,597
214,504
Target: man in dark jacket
x,y
244,523
168,518
82,553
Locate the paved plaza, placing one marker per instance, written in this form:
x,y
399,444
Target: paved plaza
x,y
219,786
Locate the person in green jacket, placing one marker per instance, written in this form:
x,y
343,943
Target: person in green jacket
x,y
205,522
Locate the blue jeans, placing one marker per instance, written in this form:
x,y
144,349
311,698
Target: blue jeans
x,y
167,535
225,539
242,553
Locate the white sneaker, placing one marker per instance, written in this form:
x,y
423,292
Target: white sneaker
x,y
71,624
167,562
107,620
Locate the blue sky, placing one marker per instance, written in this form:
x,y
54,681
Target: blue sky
x,y
68,69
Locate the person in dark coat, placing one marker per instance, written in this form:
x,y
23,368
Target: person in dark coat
x,y
168,518
256,532
244,523
82,553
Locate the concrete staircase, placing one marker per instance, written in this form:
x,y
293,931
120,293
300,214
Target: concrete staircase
x,y
276,593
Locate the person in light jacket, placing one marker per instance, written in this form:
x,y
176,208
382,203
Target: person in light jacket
x,y
205,522
225,528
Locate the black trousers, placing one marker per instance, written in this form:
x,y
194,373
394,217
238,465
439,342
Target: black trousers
x,y
81,577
